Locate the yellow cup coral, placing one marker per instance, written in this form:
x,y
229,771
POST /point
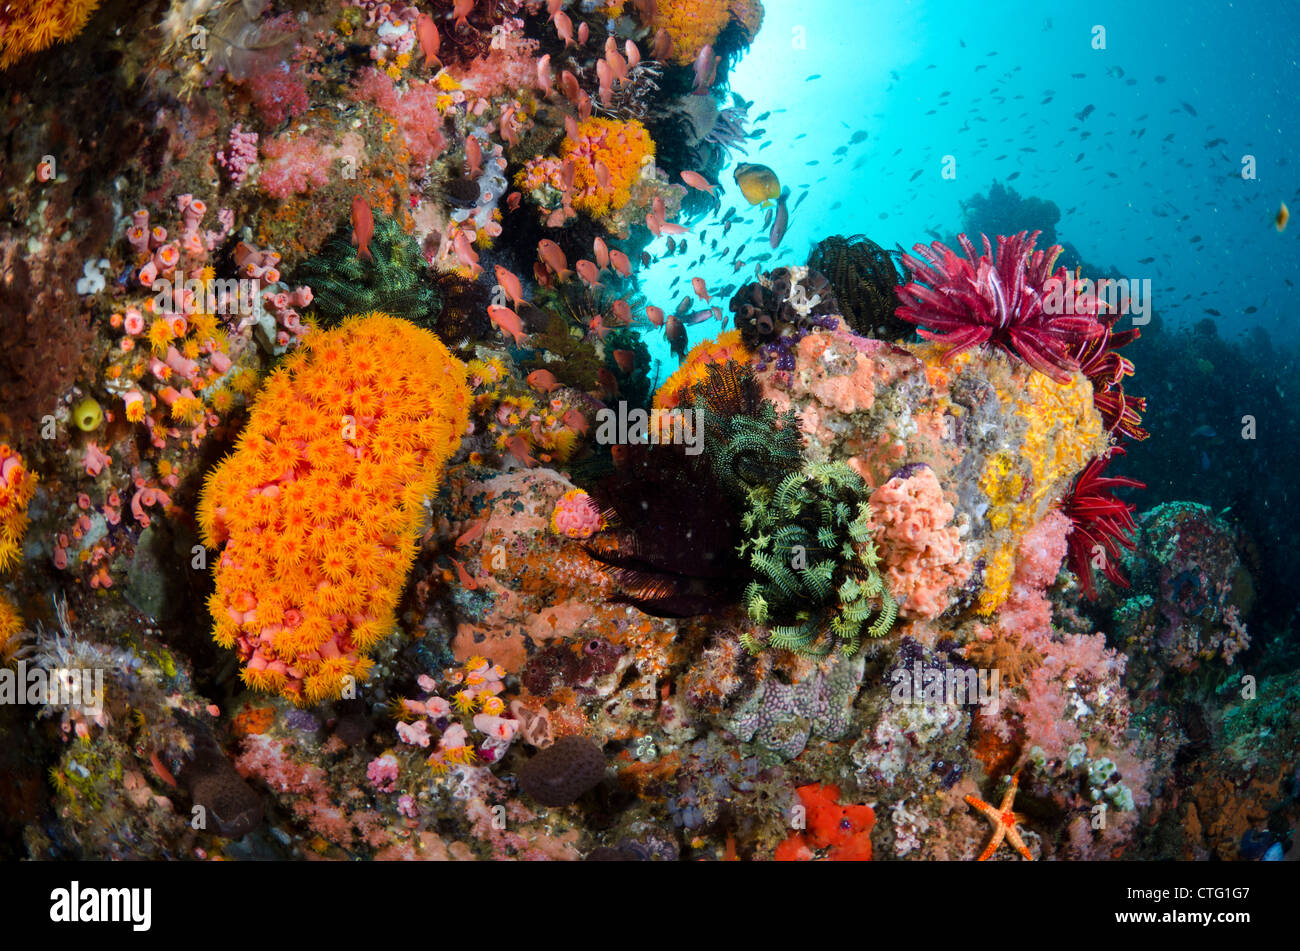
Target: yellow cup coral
x,y
29,26
320,504
727,347
691,25
11,623
17,486
607,158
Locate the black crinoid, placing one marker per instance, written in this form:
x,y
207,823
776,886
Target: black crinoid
x,y
673,544
396,280
863,276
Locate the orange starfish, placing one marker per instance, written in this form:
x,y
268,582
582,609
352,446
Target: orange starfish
x,y
1004,822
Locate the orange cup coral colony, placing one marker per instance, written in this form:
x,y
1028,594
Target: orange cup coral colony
x,y
320,505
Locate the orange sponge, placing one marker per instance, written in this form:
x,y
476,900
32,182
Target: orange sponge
x,y
319,506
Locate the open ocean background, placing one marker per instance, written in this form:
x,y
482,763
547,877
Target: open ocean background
x,y
1148,183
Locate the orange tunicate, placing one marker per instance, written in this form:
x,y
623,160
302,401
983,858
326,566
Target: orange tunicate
x,y
253,720
319,507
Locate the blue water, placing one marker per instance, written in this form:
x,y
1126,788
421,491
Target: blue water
x,y
884,65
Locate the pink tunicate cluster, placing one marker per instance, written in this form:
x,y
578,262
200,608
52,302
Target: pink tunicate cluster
x,y
239,155
382,772
163,258
283,306
920,548
96,459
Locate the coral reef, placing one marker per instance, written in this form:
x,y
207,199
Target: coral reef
x,y
342,433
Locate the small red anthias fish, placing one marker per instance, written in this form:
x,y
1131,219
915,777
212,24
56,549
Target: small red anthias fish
x,y
509,131
569,86
513,200
625,359
622,312
543,381
544,78
701,291
657,206
516,447
706,70
696,180
563,27
576,421
472,534
464,577
605,82
553,7
461,12
427,31
542,275
603,178
571,128
508,322
601,250
510,284
584,106
554,258
663,45
465,252
617,64
473,157
620,263
607,382
363,227
588,272
584,33
672,227
655,315
597,326
654,224
633,53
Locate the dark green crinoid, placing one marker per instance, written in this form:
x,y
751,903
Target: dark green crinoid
x,y
863,275
396,281
809,545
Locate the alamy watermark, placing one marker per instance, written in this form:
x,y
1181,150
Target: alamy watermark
x,y
80,688
225,296
639,427
946,686
1130,297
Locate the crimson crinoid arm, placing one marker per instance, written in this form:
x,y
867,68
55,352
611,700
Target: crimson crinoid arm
x,y
1000,300
1101,523
1100,362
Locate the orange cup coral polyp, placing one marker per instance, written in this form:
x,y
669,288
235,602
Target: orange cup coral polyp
x,y
320,504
